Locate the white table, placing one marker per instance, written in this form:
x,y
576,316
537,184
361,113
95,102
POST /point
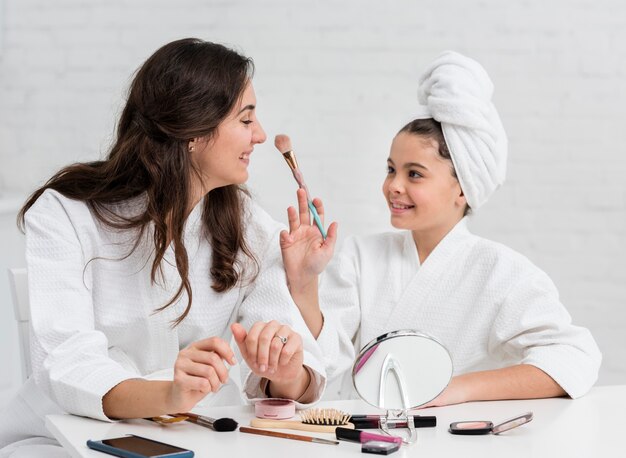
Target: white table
x,y
594,425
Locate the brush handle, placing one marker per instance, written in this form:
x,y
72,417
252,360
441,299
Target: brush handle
x,y
317,219
297,425
297,174
297,437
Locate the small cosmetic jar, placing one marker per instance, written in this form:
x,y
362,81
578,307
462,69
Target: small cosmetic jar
x,y
275,408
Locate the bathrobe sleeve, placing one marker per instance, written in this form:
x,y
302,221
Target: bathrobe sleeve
x,y
267,298
534,328
339,300
69,356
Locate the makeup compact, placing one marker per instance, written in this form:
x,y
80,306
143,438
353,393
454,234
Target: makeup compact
x,y
379,447
275,408
477,428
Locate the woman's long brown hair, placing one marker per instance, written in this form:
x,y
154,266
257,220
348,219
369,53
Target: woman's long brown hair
x,y
183,91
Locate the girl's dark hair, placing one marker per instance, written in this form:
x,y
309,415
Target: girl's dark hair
x,y
431,129
183,91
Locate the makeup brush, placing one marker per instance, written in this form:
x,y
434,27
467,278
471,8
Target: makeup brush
x,y
219,424
283,144
297,437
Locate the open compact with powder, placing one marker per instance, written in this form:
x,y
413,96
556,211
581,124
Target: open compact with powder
x,y
477,428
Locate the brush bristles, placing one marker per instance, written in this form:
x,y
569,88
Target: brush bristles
x,y
225,424
282,143
324,417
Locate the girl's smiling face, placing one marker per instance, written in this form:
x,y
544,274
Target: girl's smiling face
x,y
421,191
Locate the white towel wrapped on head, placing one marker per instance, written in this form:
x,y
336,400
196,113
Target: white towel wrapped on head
x,y
456,91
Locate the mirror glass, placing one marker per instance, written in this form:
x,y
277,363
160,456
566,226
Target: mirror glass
x,y
401,370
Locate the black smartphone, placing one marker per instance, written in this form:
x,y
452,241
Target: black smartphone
x,y
132,446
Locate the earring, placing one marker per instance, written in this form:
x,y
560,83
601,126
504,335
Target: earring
x,y
191,148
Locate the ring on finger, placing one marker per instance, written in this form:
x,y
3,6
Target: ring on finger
x,y
281,338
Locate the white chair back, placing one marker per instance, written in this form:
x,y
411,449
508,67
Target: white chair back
x,y
18,280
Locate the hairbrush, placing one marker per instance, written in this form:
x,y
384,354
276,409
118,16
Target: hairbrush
x,y
314,420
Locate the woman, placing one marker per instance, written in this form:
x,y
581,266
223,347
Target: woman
x,y
146,261
498,314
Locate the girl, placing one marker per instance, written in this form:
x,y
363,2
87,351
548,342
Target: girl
x,y
142,264
498,315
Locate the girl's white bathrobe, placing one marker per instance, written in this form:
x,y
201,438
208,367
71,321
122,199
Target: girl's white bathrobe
x,y
93,310
490,306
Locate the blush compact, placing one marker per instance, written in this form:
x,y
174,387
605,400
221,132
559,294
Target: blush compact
x,y
478,428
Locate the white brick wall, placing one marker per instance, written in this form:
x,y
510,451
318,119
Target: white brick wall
x,y
340,78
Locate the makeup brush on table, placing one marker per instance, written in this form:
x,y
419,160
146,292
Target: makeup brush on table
x,y
297,437
216,424
283,144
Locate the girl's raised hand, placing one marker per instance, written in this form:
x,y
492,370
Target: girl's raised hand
x,y
304,250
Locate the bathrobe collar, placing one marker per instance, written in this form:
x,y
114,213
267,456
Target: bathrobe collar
x,y
427,274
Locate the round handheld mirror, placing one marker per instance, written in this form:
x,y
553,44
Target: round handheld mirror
x,y
399,371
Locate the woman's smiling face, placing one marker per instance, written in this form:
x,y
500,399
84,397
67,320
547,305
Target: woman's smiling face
x,y
223,160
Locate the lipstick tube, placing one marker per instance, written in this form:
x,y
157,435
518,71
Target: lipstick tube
x,y
354,435
373,421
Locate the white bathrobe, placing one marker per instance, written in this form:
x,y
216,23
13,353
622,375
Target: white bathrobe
x,y
490,307
93,310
